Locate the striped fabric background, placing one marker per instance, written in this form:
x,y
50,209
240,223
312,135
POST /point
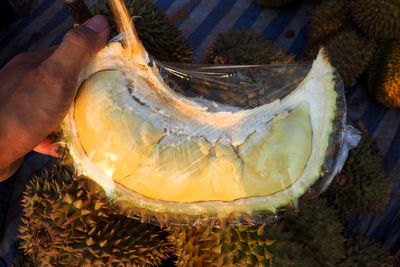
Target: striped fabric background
x,y
200,21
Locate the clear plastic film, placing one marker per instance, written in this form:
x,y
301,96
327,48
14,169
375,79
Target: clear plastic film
x,y
207,144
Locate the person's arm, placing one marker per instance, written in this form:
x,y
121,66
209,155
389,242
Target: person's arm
x,y
37,89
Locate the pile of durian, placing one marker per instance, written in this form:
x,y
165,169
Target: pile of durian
x,y
69,220
362,39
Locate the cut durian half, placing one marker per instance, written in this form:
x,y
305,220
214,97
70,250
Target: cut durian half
x,y
155,150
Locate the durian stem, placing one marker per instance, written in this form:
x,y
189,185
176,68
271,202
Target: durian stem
x,y
130,38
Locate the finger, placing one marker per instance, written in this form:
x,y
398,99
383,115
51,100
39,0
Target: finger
x,y
41,55
30,59
80,43
48,147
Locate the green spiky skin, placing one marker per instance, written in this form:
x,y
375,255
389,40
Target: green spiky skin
x,y
68,221
383,79
361,187
243,47
377,18
275,3
364,252
160,37
311,237
350,53
328,19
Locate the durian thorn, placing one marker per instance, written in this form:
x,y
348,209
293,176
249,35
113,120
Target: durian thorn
x,y
130,38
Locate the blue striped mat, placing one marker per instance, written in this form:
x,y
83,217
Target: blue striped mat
x,y
200,21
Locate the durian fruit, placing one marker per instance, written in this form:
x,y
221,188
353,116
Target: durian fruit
x,y
350,53
153,150
275,3
160,37
310,237
68,221
364,252
377,18
383,81
329,18
361,187
245,47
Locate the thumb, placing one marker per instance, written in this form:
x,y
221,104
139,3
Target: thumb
x,y
80,43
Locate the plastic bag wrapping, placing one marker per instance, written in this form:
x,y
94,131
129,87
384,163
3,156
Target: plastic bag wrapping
x,y
215,90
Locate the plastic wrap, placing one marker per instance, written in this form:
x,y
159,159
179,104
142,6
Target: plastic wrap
x,y
197,144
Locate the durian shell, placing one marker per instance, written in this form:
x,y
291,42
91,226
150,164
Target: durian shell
x,y
329,18
377,18
350,52
383,81
361,187
68,220
309,237
160,37
363,251
246,47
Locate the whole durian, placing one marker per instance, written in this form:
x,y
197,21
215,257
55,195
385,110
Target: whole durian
x,y
328,19
361,187
377,18
364,252
311,237
275,3
160,37
244,47
383,80
350,53
68,221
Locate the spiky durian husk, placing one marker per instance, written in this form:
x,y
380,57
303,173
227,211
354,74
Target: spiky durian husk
x,y
383,80
243,47
328,19
311,237
68,221
160,37
361,187
275,3
350,53
377,18
364,252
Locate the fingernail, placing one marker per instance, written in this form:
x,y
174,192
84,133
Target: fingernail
x,y
97,23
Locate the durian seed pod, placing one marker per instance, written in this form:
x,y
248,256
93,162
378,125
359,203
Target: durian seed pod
x,y
377,18
362,251
275,3
328,19
68,221
383,81
361,187
350,53
245,47
310,237
160,37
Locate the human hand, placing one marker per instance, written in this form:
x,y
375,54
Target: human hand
x,y
37,90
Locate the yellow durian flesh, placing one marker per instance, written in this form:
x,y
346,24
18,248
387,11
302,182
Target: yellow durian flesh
x,y
126,147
